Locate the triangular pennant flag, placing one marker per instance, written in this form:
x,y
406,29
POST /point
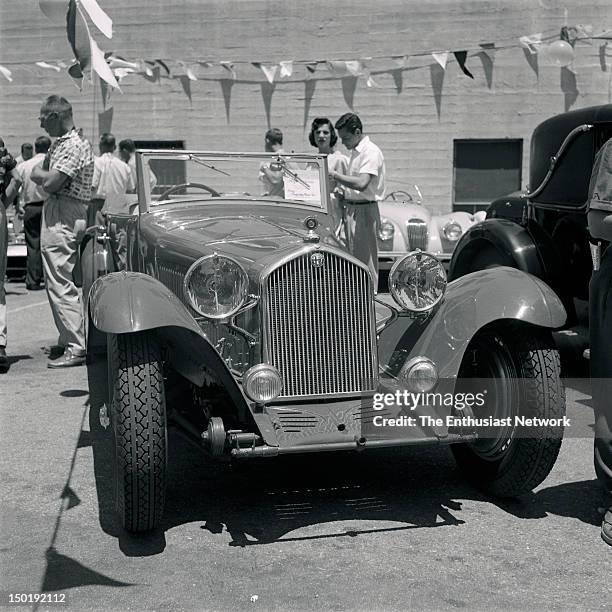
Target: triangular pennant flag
x,y
461,56
602,57
400,60
115,61
163,65
143,68
99,65
71,496
229,66
286,69
269,71
370,82
99,18
531,42
205,64
354,67
337,67
488,49
441,58
6,73
188,72
48,66
78,35
121,73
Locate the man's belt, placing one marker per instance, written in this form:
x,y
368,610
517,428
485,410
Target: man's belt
x,y
358,202
37,203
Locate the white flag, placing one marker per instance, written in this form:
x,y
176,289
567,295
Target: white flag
x,y
354,67
286,69
100,19
6,73
269,72
229,66
531,42
48,66
441,58
99,65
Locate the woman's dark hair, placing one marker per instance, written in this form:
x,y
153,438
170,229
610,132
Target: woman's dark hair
x,y
333,137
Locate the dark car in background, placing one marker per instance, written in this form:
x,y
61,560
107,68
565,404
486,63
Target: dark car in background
x,y
544,231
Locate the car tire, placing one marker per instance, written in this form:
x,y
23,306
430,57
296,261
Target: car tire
x,y
139,423
510,463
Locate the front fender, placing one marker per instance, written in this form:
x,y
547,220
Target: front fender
x,y
470,303
510,239
126,302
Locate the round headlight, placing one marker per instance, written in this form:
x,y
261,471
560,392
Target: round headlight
x,y
386,229
420,374
452,231
216,286
417,281
262,383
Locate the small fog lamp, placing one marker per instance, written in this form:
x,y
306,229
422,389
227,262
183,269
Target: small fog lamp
x,y
452,231
262,383
419,374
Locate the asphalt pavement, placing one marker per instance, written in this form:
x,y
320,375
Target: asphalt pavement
x,y
389,530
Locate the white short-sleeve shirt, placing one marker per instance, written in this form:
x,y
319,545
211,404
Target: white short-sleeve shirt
x,y
367,158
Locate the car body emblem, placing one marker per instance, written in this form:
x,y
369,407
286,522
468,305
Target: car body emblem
x,y
317,260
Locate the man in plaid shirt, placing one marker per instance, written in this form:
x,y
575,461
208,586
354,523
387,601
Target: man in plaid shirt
x,y
67,178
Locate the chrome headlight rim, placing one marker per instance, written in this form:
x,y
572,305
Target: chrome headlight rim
x,y
446,230
389,233
243,298
394,291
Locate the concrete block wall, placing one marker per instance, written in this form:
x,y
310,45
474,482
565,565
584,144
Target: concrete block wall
x,y
412,121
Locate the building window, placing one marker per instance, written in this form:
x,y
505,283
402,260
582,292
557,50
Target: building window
x,y
485,169
168,172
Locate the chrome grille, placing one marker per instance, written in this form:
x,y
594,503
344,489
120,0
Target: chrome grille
x,y
416,230
319,327
172,277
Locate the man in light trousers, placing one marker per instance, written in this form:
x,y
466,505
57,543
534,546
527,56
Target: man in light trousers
x,y
68,180
364,188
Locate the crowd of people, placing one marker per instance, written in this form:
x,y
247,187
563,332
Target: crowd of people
x,y
53,186
58,184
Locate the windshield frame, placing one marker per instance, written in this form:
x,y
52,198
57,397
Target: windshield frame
x,y
145,198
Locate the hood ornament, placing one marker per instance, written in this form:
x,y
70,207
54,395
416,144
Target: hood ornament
x,y
311,224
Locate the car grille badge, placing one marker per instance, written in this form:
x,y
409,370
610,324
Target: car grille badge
x,y
317,259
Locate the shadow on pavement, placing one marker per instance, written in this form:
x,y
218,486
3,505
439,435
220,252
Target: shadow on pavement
x,y
266,500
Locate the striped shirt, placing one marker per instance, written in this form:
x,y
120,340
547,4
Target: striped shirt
x,y
72,155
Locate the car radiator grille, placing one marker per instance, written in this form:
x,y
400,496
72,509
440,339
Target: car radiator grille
x,y
319,329
416,231
173,278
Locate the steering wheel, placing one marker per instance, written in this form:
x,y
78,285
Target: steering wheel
x,y
404,194
175,188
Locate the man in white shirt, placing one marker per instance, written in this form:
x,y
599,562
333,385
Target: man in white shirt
x,y
364,188
126,152
32,200
112,178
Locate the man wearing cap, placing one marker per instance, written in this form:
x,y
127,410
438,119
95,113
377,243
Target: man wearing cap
x,y
364,188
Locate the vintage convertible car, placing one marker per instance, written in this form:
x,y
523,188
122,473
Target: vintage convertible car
x,y
243,321
407,225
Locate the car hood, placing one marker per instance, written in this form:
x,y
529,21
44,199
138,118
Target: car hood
x,y
253,235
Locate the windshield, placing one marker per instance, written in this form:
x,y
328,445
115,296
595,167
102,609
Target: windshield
x,y
194,175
